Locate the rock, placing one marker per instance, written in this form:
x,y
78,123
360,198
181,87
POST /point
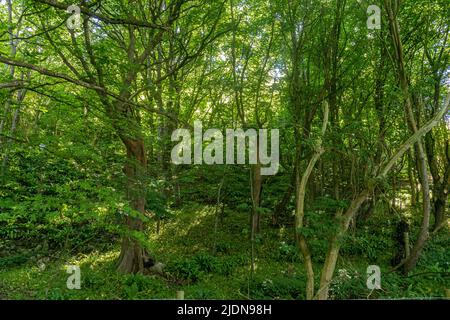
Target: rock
x,y
157,268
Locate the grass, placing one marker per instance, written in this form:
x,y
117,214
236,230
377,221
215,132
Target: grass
x,y
186,245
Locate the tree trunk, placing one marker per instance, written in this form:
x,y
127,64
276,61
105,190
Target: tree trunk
x,y
14,124
333,252
439,210
300,207
328,269
131,255
419,149
441,181
412,181
281,207
256,198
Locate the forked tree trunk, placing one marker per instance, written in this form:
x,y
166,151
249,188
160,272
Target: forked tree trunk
x,y
333,252
131,255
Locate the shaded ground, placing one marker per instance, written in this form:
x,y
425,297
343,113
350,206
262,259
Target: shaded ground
x,y
186,244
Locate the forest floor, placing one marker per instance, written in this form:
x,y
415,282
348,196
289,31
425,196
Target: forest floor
x,y
205,268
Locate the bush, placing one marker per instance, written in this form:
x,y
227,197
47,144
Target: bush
x,y
139,286
206,263
44,199
348,284
287,252
202,294
194,268
186,269
223,247
278,288
14,260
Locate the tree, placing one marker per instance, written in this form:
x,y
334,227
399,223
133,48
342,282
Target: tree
x,y
116,79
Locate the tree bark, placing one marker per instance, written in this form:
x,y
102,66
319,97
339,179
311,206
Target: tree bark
x,y
280,208
131,255
256,198
335,244
300,209
333,252
411,262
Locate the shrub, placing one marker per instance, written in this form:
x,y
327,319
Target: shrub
x,y
287,252
278,288
206,263
348,284
187,269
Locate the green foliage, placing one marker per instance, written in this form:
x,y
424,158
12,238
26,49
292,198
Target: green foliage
x,y
54,203
348,284
201,265
202,275
202,294
223,247
187,269
206,262
202,184
369,244
140,287
85,139
288,252
277,288
156,202
13,260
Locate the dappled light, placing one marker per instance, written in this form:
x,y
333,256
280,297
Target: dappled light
x,y
224,149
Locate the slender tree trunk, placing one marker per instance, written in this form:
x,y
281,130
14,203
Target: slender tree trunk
x,y
281,207
14,124
217,213
256,198
440,203
410,263
333,252
13,50
441,182
335,244
412,181
15,120
300,209
328,269
441,178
